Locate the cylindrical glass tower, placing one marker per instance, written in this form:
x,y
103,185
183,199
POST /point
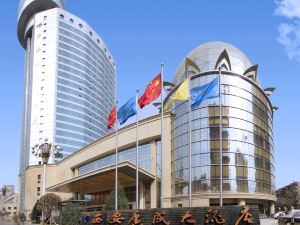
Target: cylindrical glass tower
x,y
247,114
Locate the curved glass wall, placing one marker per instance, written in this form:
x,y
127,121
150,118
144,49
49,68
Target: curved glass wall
x,y
85,88
248,161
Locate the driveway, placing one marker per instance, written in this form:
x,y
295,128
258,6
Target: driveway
x,y
268,221
6,222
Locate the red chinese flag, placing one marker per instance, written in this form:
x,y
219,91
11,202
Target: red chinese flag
x,y
112,119
152,92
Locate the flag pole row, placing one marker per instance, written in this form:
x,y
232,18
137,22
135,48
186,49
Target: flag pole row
x,y
194,96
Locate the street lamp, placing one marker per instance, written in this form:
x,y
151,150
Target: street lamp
x,y
44,151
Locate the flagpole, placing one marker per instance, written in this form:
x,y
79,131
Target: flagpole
x,y
116,160
137,150
221,138
190,141
161,135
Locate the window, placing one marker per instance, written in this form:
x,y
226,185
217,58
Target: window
x,y
179,205
98,41
91,33
80,25
62,16
45,17
71,21
39,178
38,190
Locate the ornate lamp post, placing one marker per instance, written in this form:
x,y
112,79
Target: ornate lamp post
x,y
45,150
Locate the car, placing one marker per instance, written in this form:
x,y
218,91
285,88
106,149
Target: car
x,y
291,218
278,214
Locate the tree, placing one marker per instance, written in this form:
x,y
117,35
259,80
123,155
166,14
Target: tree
x,y
15,219
47,203
287,197
35,213
109,203
22,217
70,214
290,198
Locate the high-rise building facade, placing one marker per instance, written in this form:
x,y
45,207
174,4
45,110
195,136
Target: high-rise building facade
x,y
69,81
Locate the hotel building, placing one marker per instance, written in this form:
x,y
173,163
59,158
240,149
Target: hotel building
x,y
247,139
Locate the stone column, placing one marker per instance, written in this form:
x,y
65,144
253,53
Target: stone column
x,y
272,208
76,172
153,187
142,195
166,164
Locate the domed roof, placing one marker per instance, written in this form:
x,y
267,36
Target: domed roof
x,y
206,56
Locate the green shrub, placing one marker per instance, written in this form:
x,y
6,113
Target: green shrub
x,y
35,213
70,214
109,203
22,217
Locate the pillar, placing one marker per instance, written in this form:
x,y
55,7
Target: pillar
x,y
142,195
166,163
153,186
75,172
272,208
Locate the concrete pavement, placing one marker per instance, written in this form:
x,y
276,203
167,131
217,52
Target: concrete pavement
x,y
268,221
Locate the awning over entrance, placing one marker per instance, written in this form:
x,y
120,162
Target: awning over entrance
x,y
102,179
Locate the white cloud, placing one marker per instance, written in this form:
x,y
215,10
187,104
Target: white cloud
x,y
289,33
289,37
288,8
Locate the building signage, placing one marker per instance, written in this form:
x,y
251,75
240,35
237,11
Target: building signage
x,y
231,215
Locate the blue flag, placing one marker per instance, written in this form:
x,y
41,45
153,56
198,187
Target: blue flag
x,y
127,110
207,91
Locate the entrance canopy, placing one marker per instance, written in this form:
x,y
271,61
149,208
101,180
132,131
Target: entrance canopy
x,y
102,179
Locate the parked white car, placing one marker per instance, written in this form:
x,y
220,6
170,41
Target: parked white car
x,y
278,214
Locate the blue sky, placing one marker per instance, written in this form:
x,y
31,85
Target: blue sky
x,y
142,34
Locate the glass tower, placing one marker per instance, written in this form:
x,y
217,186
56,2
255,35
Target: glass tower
x,y
69,81
247,136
